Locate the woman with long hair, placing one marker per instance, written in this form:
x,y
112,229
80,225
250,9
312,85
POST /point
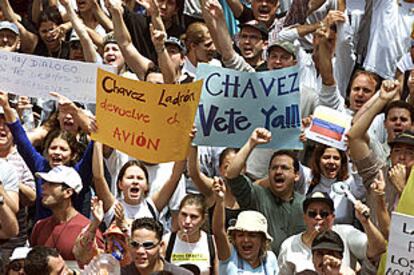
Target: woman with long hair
x,y
191,247
330,174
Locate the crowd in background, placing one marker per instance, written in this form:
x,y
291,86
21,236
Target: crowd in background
x,y
71,205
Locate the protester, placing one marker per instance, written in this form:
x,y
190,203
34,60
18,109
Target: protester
x,y
296,254
46,260
145,247
245,248
16,261
62,149
132,180
205,184
62,228
191,247
280,204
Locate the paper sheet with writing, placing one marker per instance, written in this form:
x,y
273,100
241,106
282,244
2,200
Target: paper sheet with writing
x,y
150,122
36,76
234,103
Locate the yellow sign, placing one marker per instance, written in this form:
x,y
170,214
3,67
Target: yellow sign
x,y
150,122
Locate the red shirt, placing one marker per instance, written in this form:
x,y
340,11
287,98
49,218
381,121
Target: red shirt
x,y
61,235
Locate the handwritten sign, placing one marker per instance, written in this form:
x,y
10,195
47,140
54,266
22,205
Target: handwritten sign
x,y
400,258
36,76
234,103
150,122
329,127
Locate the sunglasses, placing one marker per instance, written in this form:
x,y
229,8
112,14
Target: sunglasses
x,y
16,266
323,214
147,245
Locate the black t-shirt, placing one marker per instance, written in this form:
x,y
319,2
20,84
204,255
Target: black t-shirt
x,y
138,27
62,53
132,270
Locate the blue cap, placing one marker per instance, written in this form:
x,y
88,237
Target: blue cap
x,y
6,25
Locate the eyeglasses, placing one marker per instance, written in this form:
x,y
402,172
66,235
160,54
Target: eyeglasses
x,y
16,266
323,214
147,245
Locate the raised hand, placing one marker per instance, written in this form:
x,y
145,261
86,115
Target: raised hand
x,y
260,136
398,176
97,209
389,89
4,98
219,187
378,186
362,212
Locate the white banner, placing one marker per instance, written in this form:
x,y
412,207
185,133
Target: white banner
x,y
36,76
400,258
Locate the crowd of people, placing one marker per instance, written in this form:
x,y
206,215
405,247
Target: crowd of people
x,y
69,204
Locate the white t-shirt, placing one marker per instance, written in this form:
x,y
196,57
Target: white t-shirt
x,y
295,256
132,212
390,36
191,253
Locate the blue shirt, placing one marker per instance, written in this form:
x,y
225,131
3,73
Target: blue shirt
x,y
236,265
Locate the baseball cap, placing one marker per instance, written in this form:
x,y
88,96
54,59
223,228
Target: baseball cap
x,y
65,175
406,137
286,45
318,196
177,42
329,240
6,25
19,253
74,36
260,26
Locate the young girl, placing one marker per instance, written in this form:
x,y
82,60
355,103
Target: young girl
x,y
191,247
133,183
61,149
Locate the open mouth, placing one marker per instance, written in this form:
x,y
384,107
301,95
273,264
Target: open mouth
x,y
56,159
359,102
134,192
247,248
110,60
264,11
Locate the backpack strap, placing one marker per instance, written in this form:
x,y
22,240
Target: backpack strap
x,y
152,210
170,246
212,252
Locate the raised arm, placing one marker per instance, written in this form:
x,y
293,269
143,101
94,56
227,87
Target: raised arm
x,y
101,16
203,183
219,231
216,22
101,186
376,241
383,217
85,121
28,39
358,144
259,136
162,197
135,60
86,42
9,114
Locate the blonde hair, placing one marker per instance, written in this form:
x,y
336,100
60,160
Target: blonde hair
x,y
196,33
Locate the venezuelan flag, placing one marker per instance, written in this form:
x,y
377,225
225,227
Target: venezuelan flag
x,y
327,128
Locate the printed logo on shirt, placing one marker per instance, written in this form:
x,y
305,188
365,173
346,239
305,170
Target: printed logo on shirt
x,y
181,257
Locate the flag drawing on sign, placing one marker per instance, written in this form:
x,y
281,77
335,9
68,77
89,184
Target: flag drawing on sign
x,y
327,128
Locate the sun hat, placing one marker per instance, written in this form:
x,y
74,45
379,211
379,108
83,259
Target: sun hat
x,y
251,221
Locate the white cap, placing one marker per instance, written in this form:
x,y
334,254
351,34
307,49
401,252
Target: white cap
x,y
19,253
63,174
